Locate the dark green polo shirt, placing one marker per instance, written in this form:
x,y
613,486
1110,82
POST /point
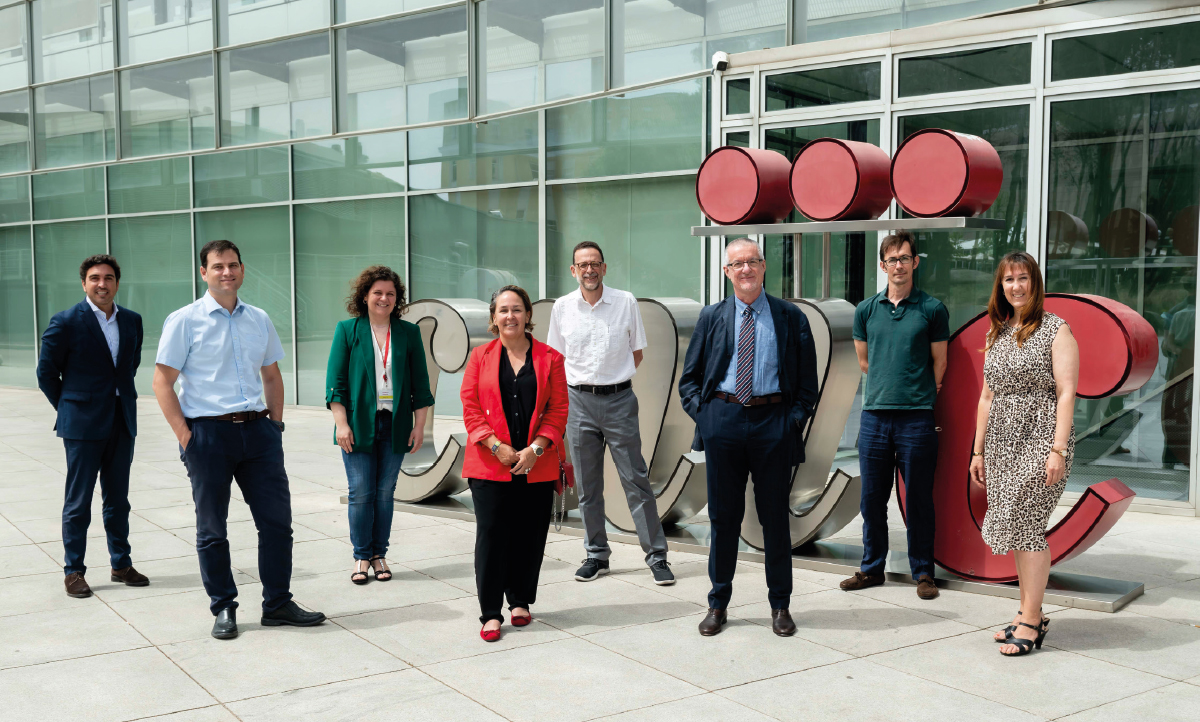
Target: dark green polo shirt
x,y
899,365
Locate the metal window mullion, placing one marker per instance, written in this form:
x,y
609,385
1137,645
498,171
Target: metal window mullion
x,y
292,275
192,221
542,213
333,77
37,337
476,80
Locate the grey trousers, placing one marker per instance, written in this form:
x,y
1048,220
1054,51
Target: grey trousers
x,y
613,420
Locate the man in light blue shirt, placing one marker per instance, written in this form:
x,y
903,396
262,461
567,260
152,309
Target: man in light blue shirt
x,y
225,354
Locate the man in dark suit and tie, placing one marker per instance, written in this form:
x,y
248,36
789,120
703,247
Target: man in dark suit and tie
x,y
89,355
750,383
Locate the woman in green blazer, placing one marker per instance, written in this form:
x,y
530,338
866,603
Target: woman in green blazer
x,y
376,384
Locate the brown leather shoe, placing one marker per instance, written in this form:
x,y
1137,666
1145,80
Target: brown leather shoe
x,y
781,622
130,577
713,621
926,588
76,586
861,581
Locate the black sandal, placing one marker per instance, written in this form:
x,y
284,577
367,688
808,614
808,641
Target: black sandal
x,y
1025,646
1008,631
360,576
383,570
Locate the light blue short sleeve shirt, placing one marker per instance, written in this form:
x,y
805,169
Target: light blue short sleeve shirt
x,y
219,356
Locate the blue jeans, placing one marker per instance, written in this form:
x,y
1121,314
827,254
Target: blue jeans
x,y
372,481
891,441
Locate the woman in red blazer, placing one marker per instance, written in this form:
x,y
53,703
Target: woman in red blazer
x,y
514,398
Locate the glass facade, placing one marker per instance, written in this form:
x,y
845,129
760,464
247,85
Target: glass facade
x,y
323,136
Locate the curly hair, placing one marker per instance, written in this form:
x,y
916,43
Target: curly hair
x,y
492,327
356,302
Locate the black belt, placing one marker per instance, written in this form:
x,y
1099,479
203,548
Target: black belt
x,y
753,401
238,417
603,390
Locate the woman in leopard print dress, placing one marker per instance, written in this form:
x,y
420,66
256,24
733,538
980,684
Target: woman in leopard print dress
x,y
1025,438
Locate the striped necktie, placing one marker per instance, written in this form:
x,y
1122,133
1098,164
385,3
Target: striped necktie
x,y
744,384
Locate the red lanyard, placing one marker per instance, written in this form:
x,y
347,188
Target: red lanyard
x,y
387,348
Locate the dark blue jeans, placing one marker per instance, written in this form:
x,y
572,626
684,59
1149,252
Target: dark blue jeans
x,y
905,441
110,458
252,453
371,476
740,442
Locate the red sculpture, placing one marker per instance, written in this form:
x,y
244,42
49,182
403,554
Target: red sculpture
x,y
942,173
841,180
1118,350
744,185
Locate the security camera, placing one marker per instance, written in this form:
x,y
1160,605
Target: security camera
x,y
720,60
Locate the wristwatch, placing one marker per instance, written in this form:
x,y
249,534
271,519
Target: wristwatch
x,y
537,450
1060,452
495,447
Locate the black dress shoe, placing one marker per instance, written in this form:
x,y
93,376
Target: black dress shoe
x,y
291,614
713,622
781,622
225,626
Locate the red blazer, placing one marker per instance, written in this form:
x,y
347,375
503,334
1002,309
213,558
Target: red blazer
x,y
483,412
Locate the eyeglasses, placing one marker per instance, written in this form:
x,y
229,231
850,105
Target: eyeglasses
x,y
589,265
739,265
902,260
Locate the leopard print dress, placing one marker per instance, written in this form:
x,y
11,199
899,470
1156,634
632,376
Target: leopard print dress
x,y
1020,434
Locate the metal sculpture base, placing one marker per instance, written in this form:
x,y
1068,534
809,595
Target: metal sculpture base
x,y
1080,591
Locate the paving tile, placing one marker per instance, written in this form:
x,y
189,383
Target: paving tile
x,y
741,653
50,528
430,542
862,691
170,618
1176,603
625,557
457,571
701,708
316,502
24,510
12,536
87,630
215,713
1053,683
17,561
267,660
336,596
855,624
407,694
692,583
1132,558
1173,703
1130,640
312,557
36,694
38,593
977,610
244,534
533,683
598,606
425,634
167,576
159,498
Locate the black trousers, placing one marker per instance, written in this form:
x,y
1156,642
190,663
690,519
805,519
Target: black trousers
x,y
741,442
512,519
110,458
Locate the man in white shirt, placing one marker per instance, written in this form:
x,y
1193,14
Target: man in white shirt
x,y
599,331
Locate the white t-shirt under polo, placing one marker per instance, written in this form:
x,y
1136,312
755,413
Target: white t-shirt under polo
x,y
597,341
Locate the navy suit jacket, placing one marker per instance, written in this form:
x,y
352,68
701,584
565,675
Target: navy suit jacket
x,y
75,370
711,350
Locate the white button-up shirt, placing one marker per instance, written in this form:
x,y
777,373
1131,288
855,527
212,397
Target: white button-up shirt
x,y
219,356
108,325
597,341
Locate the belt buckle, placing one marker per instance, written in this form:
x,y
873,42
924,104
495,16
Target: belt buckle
x,y
236,420
748,403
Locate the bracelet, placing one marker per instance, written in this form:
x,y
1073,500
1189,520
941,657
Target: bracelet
x,y
976,453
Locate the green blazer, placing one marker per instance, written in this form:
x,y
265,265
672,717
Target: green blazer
x,y
350,379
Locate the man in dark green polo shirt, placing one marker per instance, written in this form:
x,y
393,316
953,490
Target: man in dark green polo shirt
x,y
900,335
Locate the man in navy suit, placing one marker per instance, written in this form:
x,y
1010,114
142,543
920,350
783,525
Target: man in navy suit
x,y
90,353
750,383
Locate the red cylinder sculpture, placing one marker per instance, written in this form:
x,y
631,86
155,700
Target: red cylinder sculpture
x,y
942,173
841,180
744,185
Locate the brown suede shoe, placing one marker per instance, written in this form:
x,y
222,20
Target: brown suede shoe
x,y
76,586
781,622
861,581
926,588
130,577
713,622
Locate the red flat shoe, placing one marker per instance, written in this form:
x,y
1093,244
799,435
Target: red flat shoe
x,y
521,621
489,635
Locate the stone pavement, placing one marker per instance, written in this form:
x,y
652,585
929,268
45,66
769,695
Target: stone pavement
x,y
616,649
